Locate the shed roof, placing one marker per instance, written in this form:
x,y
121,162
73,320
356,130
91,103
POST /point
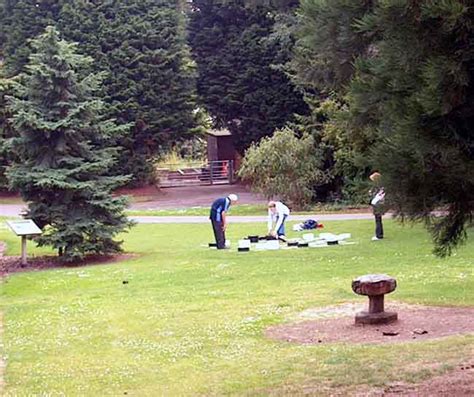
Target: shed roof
x,y
222,132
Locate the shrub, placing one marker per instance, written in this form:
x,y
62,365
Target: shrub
x,y
284,166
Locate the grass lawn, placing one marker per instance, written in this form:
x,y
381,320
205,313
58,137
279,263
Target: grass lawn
x,y
247,209
190,320
241,209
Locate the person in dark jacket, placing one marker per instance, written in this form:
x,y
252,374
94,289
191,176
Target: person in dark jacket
x,y
377,194
218,217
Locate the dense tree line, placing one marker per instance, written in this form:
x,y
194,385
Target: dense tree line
x,y
141,45
152,80
240,80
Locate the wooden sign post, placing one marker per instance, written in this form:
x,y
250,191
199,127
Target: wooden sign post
x,y
24,228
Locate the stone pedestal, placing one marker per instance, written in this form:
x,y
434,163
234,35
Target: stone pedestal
x,y
375,286
376,318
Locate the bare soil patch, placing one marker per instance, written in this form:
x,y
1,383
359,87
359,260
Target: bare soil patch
x,y
415,323
12,264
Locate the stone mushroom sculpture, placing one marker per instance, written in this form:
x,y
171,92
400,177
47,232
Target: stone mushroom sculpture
x,y
375,286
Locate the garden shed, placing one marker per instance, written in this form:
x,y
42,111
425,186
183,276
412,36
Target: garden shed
x,y
220,145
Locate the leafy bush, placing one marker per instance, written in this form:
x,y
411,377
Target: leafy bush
x,y
284,166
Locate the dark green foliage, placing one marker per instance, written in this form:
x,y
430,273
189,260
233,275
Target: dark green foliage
x,y
329,43
410,100
4,134
237,81
151,80
22,20
62,152
141,44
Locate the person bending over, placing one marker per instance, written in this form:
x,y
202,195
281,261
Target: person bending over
x,y
218,218
277,214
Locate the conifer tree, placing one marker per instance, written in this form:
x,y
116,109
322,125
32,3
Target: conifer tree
x,y
63,155
409,90
238,81
150,77
416,89
21,20
141,44
5,133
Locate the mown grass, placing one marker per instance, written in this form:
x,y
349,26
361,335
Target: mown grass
x,y
241,209
246,209
190,320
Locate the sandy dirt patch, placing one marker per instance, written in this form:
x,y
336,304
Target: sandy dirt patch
x,y
414,323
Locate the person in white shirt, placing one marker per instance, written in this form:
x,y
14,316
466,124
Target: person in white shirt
x,y
378,204
277,214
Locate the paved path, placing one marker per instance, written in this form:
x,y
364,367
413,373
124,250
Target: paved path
x,y
11,209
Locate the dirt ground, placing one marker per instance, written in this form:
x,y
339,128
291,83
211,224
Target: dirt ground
x,y
12,264
415,323
152,198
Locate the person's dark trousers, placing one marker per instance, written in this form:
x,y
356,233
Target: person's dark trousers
x,y
378,226
219,234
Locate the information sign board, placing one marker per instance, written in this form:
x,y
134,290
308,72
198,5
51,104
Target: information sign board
x,y
25,227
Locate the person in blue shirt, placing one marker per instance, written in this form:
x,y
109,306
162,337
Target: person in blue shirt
x,y
218,217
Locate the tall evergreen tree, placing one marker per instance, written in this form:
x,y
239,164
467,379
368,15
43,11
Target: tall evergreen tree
x,y
21,20
238,83
328,45
150,80
5,133
410,94
63,154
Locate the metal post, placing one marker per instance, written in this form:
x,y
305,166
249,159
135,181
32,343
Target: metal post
x,y
23,250
210,172
231,171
